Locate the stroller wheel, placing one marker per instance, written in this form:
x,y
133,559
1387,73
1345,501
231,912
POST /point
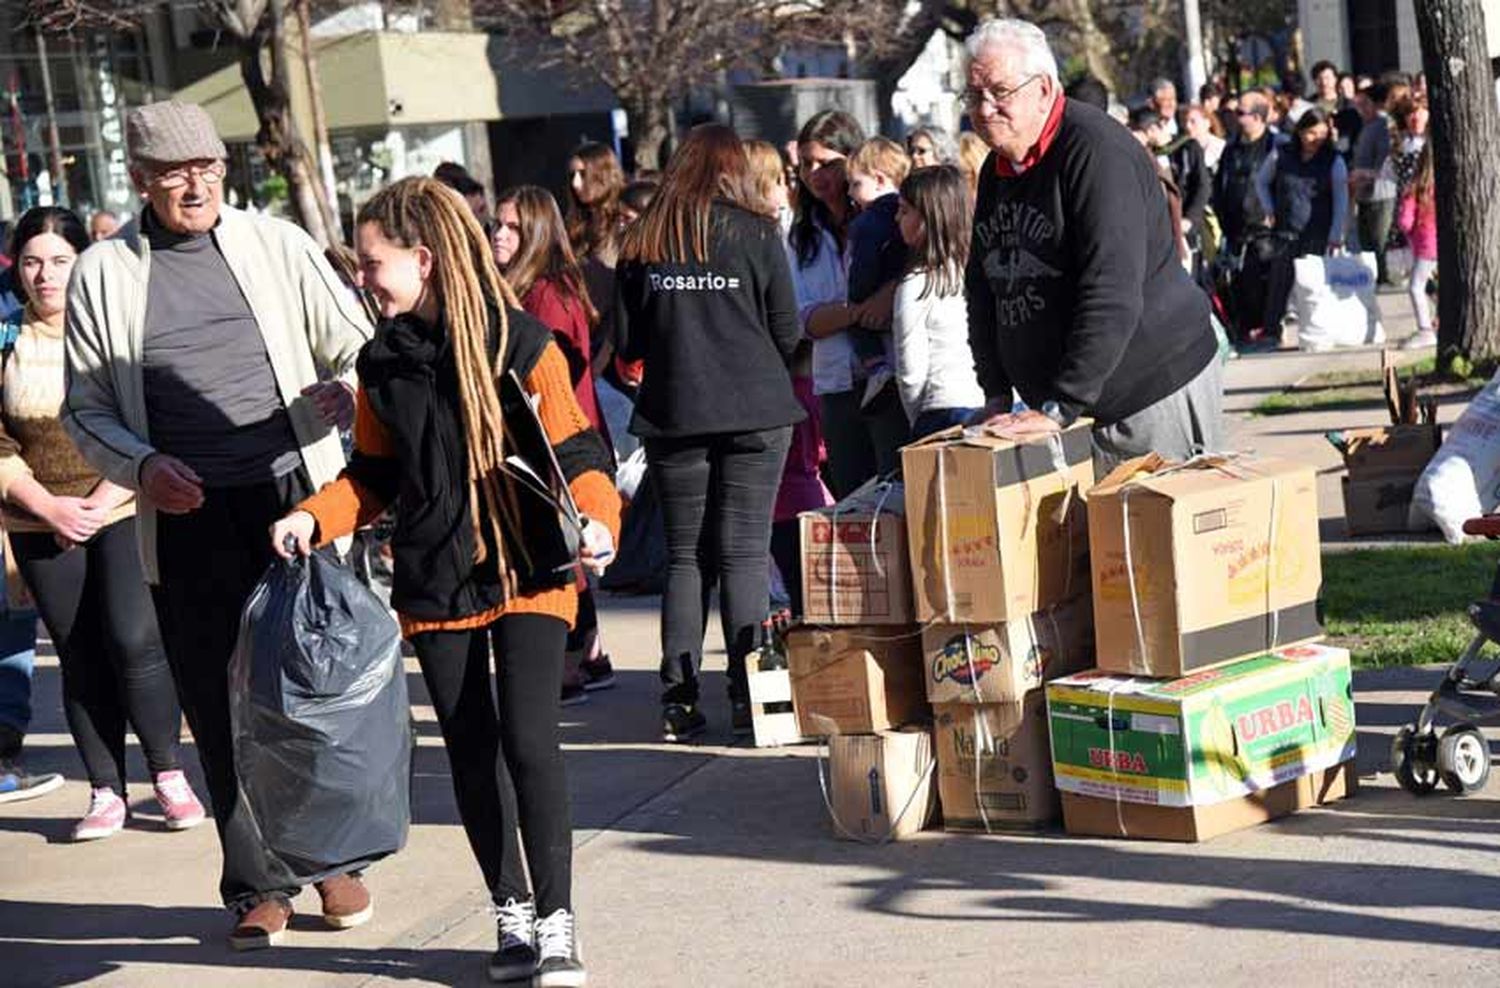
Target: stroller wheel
x,y
1414,761
1464,759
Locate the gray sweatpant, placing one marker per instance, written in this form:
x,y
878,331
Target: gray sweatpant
x,y
1186,422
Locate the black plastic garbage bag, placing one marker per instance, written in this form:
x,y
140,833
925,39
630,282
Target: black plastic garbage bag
x,y
322,730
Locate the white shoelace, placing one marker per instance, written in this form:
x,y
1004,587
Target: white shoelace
x,y
554,935
101,801
174,786
517,921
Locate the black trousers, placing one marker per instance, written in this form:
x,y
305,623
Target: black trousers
x,y
786,549
208,561
97,608
717,494
862,442
506,759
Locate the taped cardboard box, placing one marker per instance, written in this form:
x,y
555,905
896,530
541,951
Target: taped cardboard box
x,y
855,680
997,528
1003,662
1223,555
854,559
880,785
1092,816
1219,735
994,768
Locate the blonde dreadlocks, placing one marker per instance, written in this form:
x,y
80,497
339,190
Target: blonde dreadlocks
x,y
424,211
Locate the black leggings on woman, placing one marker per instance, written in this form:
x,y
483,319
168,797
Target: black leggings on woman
x,y
507,767
97,608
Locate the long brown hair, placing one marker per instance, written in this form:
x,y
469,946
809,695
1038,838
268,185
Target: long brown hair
x,y
711,164
767,172
940,195
467,284
594,226
545,253
1424,181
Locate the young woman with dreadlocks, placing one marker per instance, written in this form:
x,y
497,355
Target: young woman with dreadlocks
x,y
434,425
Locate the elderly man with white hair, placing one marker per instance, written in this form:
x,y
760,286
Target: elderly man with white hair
x,y
1076,297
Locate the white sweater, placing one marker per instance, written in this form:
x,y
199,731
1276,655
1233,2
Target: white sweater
x,y
934,366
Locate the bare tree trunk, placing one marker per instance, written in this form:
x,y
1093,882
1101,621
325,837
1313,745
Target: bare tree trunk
x,y
278,137
650,126
1464,130
319,117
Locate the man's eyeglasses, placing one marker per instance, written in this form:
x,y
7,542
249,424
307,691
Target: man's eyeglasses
x,y
209,174
973,99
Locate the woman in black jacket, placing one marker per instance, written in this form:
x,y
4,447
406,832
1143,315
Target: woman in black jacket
x,y
705,298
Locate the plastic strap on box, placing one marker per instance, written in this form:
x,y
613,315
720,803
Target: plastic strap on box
x,y
1114,762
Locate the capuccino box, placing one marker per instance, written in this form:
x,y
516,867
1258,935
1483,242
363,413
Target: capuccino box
x,y
1217,735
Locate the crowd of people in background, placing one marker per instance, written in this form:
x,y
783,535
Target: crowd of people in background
x,y
762,327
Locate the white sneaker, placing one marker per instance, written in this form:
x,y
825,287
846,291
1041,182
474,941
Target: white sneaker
x,y
560,963
1420,340
515,927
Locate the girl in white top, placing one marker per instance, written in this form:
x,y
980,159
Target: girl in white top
x,y
930,325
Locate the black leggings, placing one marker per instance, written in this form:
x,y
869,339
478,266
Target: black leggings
x,y
97,608
507,768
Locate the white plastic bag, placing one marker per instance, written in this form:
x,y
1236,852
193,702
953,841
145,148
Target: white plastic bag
x,y
630,473
1335,301
1463,479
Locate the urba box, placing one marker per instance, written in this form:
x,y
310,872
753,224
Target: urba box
x,y
1218,735
855,680
1202,563
997,528
994,769
1093,816
1002,662
880,785
854,559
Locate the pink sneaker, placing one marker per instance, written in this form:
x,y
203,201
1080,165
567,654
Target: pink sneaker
x,y
178,804
105,818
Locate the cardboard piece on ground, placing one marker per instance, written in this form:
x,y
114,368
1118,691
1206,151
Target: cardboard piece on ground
x,y
1002,662
854,559
1215,736
855,680
997,531
1224,553
1013,789
880,785
1093,816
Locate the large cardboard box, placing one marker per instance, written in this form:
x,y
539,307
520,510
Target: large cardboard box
x,y
997,530
1010,788
854,559
880,785
1223,554
1222,734
1093,816
1002,662
855,680
1382,505
1391,449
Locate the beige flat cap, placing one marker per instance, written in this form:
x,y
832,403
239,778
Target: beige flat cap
x,y
169,132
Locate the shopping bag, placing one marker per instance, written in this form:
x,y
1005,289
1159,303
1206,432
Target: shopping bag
x,y
1334,298
319,719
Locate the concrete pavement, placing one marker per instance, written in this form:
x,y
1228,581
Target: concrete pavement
x,y
714,865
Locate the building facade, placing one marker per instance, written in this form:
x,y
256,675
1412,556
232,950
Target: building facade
x,y
1372,36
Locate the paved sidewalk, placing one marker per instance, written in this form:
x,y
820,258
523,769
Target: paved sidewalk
x,y
714,865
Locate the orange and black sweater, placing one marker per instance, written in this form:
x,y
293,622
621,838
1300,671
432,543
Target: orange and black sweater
x,y
409,451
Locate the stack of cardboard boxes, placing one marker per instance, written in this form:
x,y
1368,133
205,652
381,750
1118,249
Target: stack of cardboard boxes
x,y
1211,709
999,548
1138,655
855,665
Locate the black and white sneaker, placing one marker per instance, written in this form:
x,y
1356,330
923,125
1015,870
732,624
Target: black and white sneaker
x,y
516,958
681,722
561,961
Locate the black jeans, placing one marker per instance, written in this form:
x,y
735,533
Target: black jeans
x,y
717,494
786,549
97,608
862,442
507,765
208,562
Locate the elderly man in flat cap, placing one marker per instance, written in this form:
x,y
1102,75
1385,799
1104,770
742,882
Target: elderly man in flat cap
x,y
195,342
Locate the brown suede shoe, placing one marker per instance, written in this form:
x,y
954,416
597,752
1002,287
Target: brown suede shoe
x,y
262,926
346,901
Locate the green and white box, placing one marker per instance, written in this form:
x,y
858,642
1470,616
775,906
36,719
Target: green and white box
x,y
1206,738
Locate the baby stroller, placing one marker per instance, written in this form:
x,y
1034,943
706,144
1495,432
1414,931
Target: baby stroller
x,y
1470,694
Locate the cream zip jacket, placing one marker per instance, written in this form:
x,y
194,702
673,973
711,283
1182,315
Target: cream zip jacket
x,y
307,318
